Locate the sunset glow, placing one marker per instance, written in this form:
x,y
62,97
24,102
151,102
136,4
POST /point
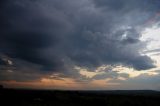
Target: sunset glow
x,y
80,44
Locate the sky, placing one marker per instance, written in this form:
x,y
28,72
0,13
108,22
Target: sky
x,y
80,44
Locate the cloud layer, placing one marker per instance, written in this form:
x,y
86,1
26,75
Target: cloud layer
x,y
57,35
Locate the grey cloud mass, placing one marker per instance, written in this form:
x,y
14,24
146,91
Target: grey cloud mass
x,y
56,35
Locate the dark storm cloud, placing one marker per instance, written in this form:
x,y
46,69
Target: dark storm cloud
x,y
2,62
59,34
26,32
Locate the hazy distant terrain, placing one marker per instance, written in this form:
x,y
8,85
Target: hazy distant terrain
x,y
78,98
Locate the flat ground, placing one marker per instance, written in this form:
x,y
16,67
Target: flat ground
x,y
12,97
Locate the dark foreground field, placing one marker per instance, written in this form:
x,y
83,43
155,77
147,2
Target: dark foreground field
x,y
10,97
